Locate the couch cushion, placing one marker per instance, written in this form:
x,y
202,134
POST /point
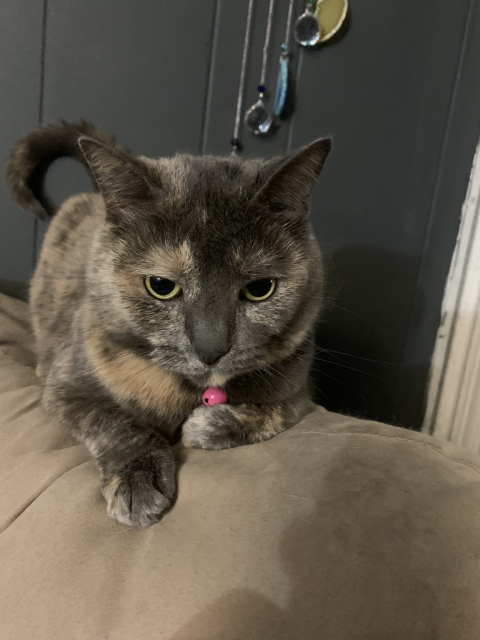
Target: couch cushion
x,y
337,529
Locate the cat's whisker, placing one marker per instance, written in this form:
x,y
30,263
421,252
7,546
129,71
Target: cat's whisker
x,y
291,382
280,373
339,364
343,384
263,376
327,351
351,355
320,391
356,315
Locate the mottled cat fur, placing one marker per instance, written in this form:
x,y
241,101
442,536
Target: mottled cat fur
x,y
125,372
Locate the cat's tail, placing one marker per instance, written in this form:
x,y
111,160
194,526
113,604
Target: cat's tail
x,y
30,158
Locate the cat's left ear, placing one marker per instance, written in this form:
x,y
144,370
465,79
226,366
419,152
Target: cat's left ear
x,y
291,185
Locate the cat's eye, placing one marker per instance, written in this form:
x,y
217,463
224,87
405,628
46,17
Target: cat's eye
x,y
162,288
258,290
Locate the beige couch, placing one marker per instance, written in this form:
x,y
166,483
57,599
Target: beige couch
x,y
339,529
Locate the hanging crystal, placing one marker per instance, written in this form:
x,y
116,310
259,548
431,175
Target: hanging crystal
x,y
257,119
307,31
282,81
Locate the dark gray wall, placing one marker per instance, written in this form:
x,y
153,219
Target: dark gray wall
x,y
398,89
20,82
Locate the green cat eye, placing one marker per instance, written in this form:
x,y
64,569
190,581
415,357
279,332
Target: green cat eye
x,y
258,290
162,288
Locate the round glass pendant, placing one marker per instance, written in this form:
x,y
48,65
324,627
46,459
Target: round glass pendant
x,y
307,31
258,120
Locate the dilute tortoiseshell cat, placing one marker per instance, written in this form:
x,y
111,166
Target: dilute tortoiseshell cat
x,y
179,274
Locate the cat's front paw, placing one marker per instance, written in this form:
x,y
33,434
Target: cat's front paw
x,y
212,428
140,492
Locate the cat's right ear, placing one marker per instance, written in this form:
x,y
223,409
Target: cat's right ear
x,y
119,178
290,186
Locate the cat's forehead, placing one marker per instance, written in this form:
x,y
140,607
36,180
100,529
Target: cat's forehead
x,y
208,176
209,197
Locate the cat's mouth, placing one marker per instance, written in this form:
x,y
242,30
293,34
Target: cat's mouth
x,y
203,376
218,380
211,378
208,379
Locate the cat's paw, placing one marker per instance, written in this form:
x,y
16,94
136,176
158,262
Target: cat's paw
x,y
212,428
142,491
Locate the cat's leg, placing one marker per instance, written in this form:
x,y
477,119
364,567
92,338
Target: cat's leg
x,y
139,482
224,426
136,461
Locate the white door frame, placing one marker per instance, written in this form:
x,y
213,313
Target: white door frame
x,y
453,406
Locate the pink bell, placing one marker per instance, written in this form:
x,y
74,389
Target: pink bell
x,y
214,395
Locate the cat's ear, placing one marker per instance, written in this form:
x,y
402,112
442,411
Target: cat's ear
x,y
119,178
290,186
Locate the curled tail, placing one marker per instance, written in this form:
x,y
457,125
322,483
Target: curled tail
x,y
30,158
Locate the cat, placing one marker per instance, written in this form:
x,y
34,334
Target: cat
x,y
175,275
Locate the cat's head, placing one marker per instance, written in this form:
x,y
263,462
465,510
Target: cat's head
x,y
207,265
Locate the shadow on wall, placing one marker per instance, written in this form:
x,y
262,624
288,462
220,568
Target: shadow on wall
x,y
361,336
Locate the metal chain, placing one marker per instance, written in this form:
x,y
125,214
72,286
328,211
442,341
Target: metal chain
x,y
241,85
289,21
266,44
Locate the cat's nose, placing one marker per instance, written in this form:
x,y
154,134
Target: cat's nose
x,y
211,343
210,330
210,356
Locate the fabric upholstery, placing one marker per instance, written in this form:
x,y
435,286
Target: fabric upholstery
x,y
339,529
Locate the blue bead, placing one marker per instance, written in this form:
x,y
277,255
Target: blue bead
x,y
261,88
235,142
